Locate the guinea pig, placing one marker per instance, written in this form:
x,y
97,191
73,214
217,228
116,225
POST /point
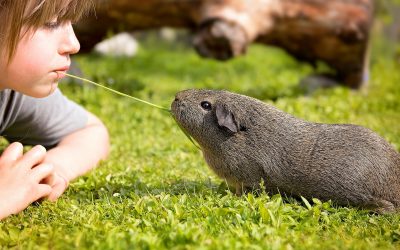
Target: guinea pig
x,y
248,142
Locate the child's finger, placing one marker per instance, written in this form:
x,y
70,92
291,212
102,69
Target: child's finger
x,y
12,153
58,188
57,191
33,157
41,172
41,191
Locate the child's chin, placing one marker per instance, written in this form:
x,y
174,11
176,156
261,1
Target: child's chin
x,y
53,87
46,91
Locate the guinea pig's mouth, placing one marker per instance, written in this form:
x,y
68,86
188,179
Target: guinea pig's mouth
x,y
177,114
177,111
174,109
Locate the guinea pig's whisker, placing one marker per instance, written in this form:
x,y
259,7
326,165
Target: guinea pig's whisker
x,y
117,92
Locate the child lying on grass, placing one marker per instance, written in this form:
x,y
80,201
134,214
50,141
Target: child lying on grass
x,y
36,41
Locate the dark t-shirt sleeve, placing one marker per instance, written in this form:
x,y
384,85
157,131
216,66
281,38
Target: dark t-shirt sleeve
x,y
43,121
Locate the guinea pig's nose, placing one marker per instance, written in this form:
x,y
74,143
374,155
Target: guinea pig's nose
x,y
178,97
181,96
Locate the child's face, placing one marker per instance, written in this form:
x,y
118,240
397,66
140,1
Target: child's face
x,y
39,56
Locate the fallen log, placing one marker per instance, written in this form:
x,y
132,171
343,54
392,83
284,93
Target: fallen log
x,y
336,31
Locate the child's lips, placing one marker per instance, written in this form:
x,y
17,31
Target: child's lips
x,y
61,72
65,68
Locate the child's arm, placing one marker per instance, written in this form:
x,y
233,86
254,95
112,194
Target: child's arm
x,y
76,154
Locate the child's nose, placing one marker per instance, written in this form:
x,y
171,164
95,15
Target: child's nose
x,y
70,44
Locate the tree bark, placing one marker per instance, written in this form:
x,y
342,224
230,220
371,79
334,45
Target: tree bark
x,y
335,31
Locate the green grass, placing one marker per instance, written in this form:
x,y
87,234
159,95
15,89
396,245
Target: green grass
x,y
155,190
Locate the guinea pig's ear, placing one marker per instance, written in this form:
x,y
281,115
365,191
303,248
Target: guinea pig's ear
x,y
226,118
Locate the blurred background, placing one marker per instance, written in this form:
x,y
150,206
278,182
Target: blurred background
x,y
387,27
337,34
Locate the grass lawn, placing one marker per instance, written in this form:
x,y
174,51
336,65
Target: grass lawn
x,y
156,192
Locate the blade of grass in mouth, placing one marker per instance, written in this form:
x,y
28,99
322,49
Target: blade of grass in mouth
x,y
117,92
134,98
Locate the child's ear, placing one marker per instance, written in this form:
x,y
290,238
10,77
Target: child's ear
x,y
226,118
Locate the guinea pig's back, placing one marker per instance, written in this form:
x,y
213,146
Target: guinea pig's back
x,y
355,163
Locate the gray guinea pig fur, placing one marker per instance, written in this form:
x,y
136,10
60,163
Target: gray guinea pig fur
x,y
248,142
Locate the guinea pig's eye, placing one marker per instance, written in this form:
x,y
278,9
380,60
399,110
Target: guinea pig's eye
x,y
205,105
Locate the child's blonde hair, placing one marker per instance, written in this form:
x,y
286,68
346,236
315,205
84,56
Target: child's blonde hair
x,y
32,14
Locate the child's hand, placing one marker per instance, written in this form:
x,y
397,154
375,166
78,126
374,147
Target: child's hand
x,y
58,183
20,178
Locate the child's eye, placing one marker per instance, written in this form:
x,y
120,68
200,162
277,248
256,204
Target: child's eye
x,y
52,25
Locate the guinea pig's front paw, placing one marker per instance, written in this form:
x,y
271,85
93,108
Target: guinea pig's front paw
x,y
239,189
